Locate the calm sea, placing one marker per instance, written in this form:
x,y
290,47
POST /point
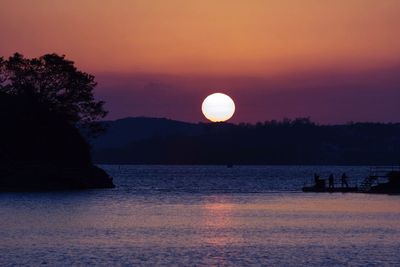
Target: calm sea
x,y
202,216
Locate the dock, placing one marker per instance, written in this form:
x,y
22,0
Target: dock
x,y
381,180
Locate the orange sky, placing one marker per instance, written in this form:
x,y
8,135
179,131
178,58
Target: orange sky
x,y
243,37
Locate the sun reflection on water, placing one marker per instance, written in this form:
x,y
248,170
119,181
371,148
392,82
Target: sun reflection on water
x,y
218,216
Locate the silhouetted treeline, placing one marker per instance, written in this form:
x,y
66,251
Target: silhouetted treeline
x,y
298,141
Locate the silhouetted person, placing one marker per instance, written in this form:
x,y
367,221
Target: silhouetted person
x,y
344,180
319,183
316,179
331,181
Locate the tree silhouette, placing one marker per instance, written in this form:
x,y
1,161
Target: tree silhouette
x,y
54,82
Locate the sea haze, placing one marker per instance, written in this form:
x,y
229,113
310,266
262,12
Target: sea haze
x,y
202,215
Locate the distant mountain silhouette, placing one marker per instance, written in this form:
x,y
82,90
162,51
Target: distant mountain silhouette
x,y
124,131
299,141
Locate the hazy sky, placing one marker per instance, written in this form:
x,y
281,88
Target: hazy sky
x,y
332,60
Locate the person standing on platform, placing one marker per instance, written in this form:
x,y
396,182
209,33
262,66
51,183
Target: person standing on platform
x,y
331,182
344,180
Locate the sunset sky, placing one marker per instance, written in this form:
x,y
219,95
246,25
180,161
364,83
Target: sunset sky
x,y
334,61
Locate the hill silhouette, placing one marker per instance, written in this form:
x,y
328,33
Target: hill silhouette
x,y
298,141
124,131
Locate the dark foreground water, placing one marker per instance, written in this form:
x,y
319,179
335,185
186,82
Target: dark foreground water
x,y
202,215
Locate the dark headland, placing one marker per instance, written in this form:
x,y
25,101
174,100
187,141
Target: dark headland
x,y
41,149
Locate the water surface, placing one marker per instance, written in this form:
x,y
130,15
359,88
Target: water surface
x,y
202,215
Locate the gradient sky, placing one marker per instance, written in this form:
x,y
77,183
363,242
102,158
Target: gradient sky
x,y
334,60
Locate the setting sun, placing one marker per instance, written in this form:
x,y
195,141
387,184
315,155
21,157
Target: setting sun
x,y
200,133
218,107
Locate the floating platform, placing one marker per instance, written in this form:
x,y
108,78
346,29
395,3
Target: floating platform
x,y
315,189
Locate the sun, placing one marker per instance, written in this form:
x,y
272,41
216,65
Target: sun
x,y
218,107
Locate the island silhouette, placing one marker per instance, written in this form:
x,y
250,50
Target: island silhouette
x,y
42,101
